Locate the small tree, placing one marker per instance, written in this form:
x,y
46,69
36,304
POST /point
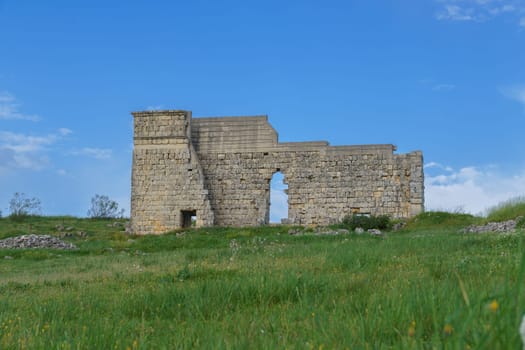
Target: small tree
x,y
103,207
20,206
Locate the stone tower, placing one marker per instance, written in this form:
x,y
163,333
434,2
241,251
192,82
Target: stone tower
x,y
167,188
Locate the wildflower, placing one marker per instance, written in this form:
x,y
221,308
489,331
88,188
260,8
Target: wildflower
x,y
448,329
412,329
494,306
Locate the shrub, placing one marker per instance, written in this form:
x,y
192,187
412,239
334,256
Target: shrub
x,y
104,208
20,206
381,222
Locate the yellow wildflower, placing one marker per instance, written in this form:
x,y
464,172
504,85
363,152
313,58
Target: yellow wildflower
x,y
448,329
412,329
494,306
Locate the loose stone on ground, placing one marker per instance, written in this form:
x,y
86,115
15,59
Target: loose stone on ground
x,y
35,241
504,226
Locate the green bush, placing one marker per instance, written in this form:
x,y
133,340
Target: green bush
x,y
381,222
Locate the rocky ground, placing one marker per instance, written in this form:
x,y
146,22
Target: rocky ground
x,y
504,226
35,241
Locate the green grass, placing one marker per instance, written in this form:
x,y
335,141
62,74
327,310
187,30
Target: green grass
x,y
508,210
426,287
442,220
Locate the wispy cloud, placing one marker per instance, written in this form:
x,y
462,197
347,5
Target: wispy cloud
x,y
26,151
65,131
155,108
437,166
9,109
97,153
443,87
515,92
480,10
470,189
436,85
456,13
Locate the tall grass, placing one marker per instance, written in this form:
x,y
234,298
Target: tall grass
x,y
262,288
507,210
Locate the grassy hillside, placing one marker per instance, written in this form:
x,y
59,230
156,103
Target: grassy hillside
x,y
427,286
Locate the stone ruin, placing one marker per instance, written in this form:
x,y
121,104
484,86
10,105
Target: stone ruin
x,y
217,172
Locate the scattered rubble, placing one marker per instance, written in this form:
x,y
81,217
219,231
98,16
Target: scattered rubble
x,y
375,232
322,231
35,241
359,230
504,226
81,234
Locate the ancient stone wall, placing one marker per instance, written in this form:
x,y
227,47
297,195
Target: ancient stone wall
x,y
218,170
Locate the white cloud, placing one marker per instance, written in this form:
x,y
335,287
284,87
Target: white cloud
x,y
479,10
25,151
502,9
25,143
65,131
97,153
471,189
9,109
516,92
22,150
522,21
456,13
437,165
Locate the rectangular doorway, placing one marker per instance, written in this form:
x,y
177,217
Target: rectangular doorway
x,y
189,218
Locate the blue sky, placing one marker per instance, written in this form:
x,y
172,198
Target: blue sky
x,y
443,76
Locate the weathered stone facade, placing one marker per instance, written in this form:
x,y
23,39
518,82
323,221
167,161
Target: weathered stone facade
x,y
218,171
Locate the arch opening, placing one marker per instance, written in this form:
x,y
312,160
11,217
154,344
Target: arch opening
x,y
278,198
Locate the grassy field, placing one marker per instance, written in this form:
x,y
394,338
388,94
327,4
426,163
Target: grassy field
x,y
425,287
